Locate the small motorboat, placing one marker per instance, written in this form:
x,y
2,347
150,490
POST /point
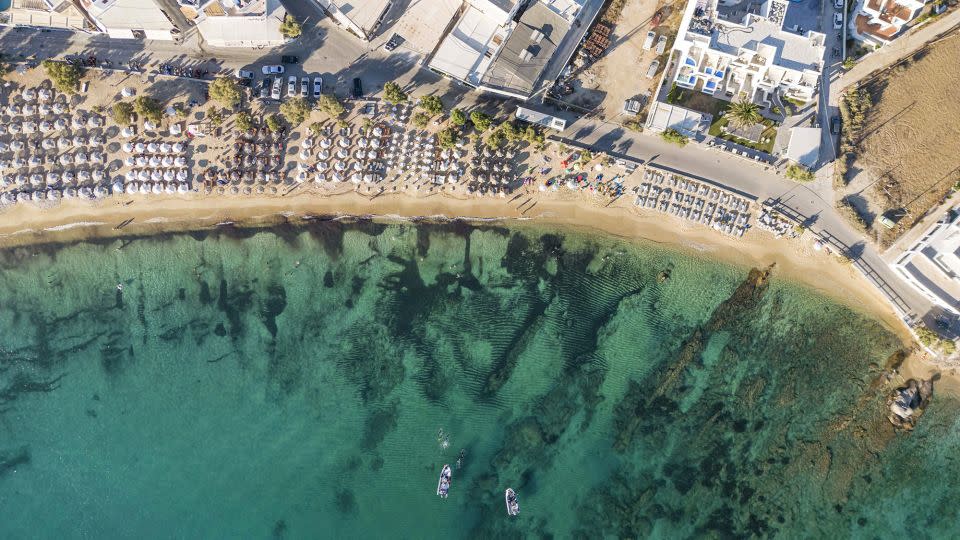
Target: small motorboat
x,y
513,507
444,485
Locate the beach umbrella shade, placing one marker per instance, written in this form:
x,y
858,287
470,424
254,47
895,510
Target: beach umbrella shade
x,y
178,147
372,154
45,94
146,187
54,194
37,196
377,132
321,166
36,179
80,157
46,127
337,177
340,166
66,159
357,166
304,154
359,154
95,141
129,161
128,147
152,147
165,148
85,192
368,178
155,161
59,124
79,141
21,180
4,146
325,143
167,161
171,187
323,154
69,177
139,148
35,161
59,108
94,121
69,193
157,188
13,110
301,177
19,162
100,192
4,180
156,175
78,122
344,142
29,109
183,175
141,161
117,187
149,126
131,176
16,146
319,178
13,128
6,198
132,188
355,178
169,175
63,143
127,132
307,143
175,129
83,176
128,91
362,142
96,157
98,175
183,187
143,175
23,197
29,94
342,154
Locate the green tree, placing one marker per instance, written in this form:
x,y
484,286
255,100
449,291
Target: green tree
x,y
447,138
180,110
226,91
495,139
148,108
295,110
216,116
393,94
458,117
122,113
481,120
290,27
329,104
432,105
65,76
674,136
510,131
244,121
534,136
744,113
799,173
274,123
420,119
316,129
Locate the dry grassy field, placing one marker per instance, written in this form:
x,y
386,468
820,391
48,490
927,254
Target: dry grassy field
x,y
907,153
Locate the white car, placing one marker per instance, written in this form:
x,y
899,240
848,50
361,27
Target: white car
x,y
661,44
272,70
304,87
317,87
837,21
243,74
277,86
648,41
292,86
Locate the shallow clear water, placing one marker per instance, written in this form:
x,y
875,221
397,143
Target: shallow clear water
x,y
292,383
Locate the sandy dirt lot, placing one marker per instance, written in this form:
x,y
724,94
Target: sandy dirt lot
x,y
620,74
908,156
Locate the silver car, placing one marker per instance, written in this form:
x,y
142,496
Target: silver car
x,y
304,87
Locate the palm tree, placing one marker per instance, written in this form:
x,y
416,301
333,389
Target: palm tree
x,y
744,113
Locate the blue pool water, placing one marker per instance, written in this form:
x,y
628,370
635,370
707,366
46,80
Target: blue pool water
x,y
4,5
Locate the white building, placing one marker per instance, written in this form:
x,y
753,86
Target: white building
x,y
59,14
361,17
879,21
932,265
753,56
131,19
237,23
507,46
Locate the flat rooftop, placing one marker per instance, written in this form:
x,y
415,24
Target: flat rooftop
x,y
804,147
363,13
530,47
463,53
793,51
129,14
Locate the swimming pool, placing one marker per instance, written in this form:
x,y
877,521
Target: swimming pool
x,y
5,4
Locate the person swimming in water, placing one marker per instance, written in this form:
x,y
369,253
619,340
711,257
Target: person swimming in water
x,y
463,452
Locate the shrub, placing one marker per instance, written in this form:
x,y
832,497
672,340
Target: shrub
x,y
148,108
393,94
329,104
274,123
180,110
122,113
420,119
675,137
316,129
216,116
295,110
481,121
458,117
64,76
586,156
290,27
447,138
510,131
226,91
799,173
432,105
244,121
847,209
495,139
534,136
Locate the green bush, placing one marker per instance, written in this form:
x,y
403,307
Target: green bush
x,y
420,119
393,94
148,108
799,173
675,137
329,104
290,27
316,129
295,110
122,113
447,138
244,121
432,105
274,123
215,116
458,117
65,76
226,91
481,120
495,139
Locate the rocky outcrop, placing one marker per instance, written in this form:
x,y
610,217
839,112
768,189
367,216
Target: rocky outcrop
x,y
907,403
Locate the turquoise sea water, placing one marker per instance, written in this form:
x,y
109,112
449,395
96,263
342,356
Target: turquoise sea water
x,y
292,383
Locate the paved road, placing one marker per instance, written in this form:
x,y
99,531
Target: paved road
x,y
338,56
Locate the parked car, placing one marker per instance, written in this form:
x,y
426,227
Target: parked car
x,y
652,70
357,88
838,4
265,88
292,86
837,21
304,87
277,86
289,59
835,125
244,74
395,40
272,70
648,42
317,87
661,44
